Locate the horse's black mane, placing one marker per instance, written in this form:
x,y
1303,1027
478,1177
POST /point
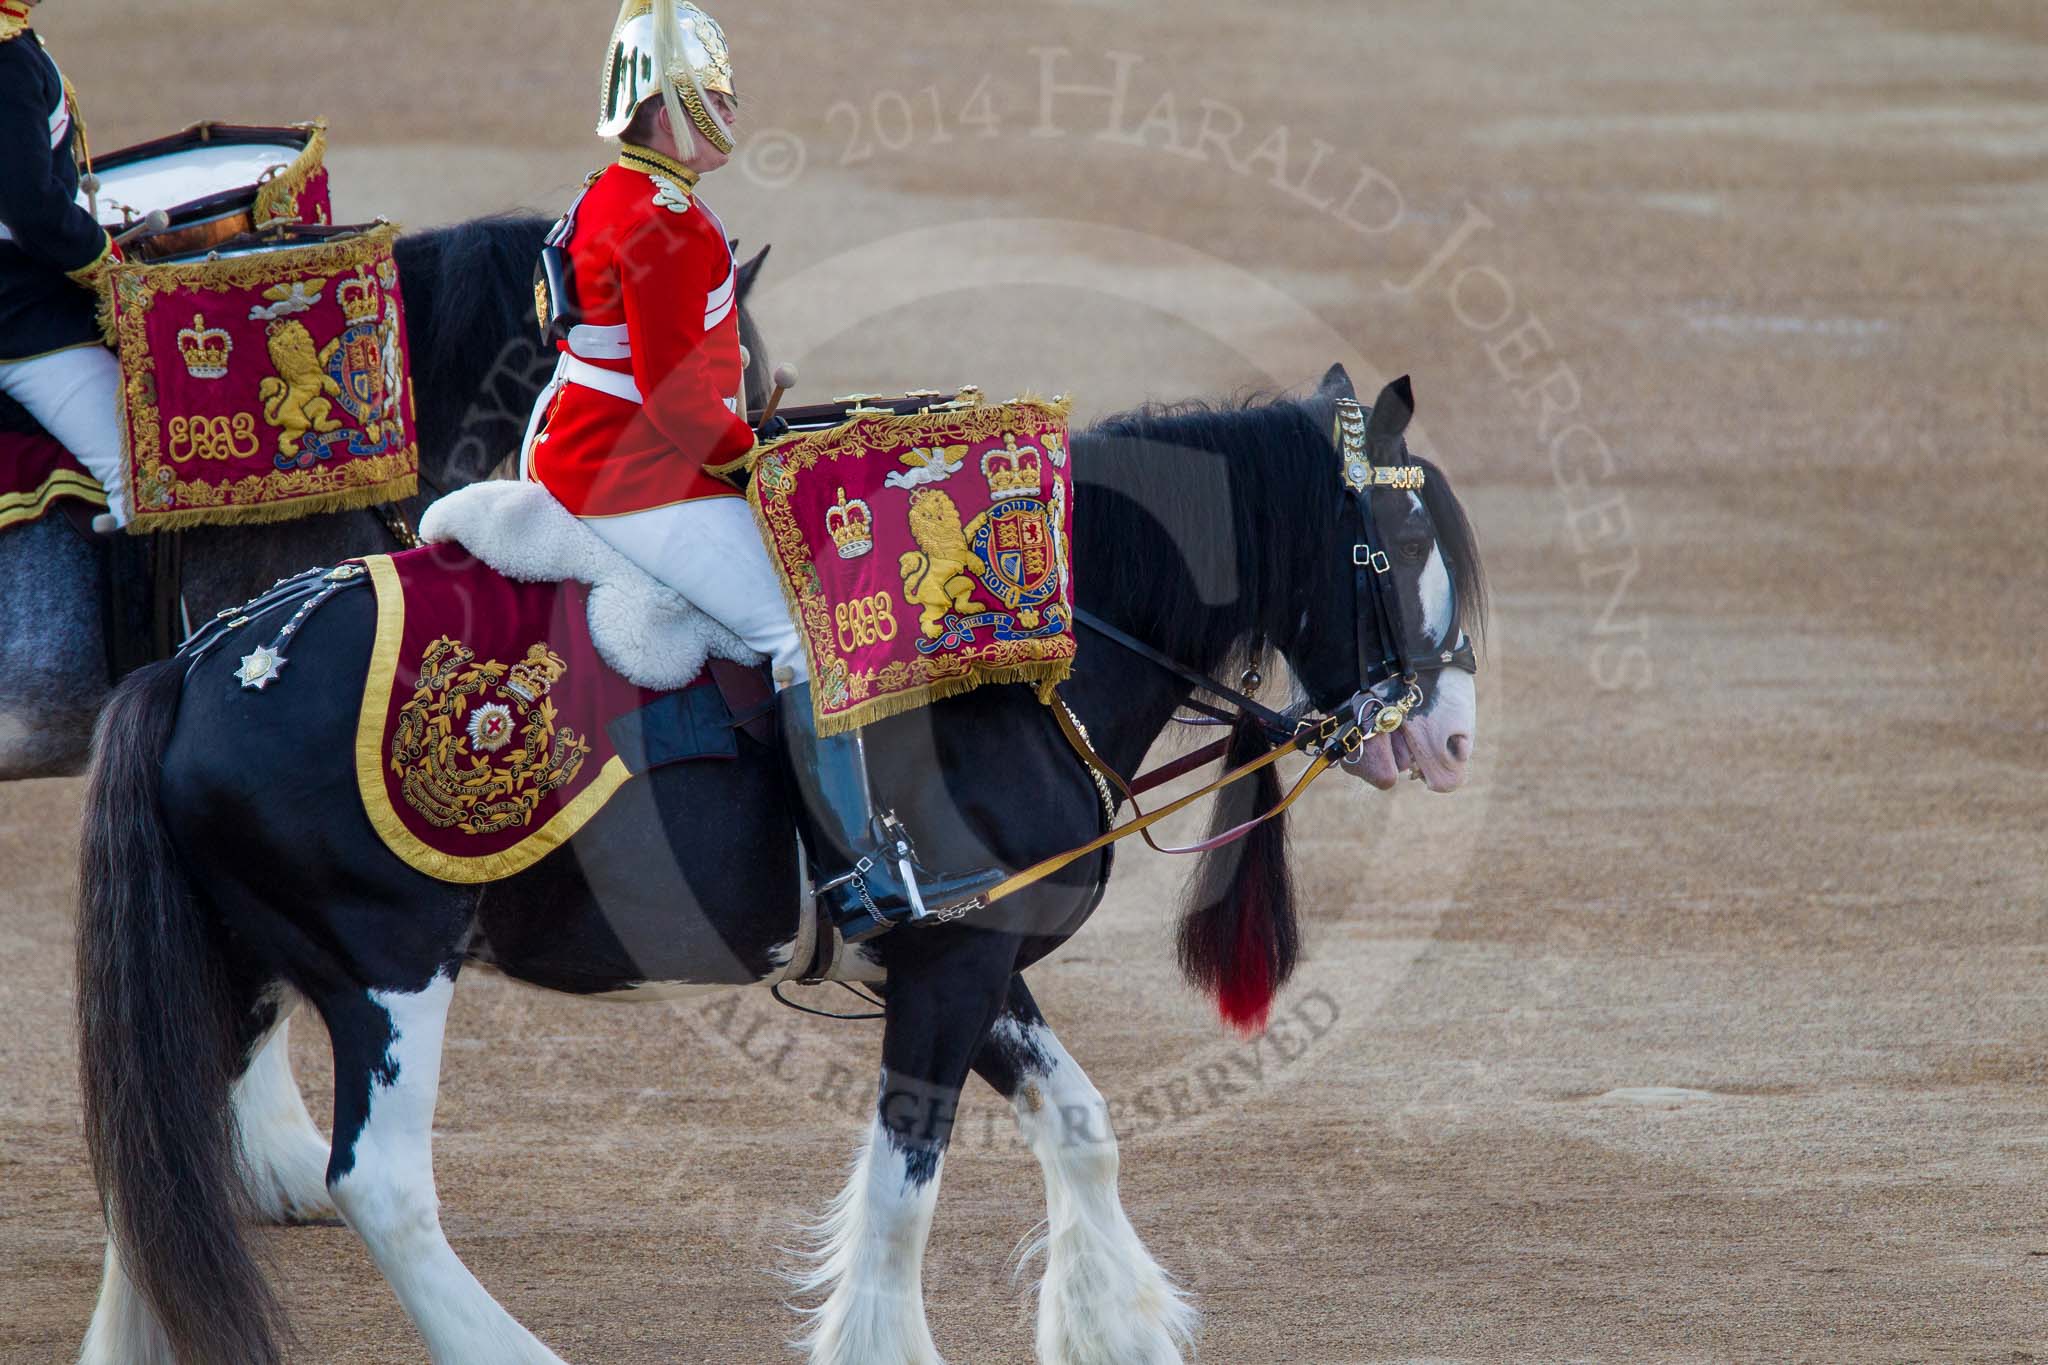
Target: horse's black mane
x,y
1256,554
465,283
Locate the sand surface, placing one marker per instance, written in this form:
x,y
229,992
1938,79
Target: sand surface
x,y
1707,1022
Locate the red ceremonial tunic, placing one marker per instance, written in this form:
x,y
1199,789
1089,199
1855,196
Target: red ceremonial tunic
x,y
656,288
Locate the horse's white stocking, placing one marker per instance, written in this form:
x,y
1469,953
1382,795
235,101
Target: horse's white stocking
x,y
283,1155
869,1252
1103,1299
387,1194
123,1330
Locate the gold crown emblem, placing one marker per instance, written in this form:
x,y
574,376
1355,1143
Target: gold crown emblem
x,y
358,299
534,676
206,349
1012,472
852,526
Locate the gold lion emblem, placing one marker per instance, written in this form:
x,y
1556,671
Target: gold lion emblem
x,y
296,398
936,574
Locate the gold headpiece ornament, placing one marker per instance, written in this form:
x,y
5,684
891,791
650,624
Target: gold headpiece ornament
x,y
672,49
1360,473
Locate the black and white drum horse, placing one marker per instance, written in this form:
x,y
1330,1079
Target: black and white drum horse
x,y
229,872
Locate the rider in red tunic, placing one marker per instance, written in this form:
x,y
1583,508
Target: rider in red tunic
x,y
648,398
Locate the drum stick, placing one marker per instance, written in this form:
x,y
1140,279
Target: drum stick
x,y
157,221
785,380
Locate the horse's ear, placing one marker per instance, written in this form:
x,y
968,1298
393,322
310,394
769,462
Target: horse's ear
x,y
1390,414
1337,384
749,269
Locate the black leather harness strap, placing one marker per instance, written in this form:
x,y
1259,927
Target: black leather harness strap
x,y
1279,728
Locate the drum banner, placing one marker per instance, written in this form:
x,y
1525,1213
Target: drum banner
x,y
485,739
924,555
34,473
265,385
298,193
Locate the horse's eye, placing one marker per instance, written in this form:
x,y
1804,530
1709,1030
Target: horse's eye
x,y
1413,550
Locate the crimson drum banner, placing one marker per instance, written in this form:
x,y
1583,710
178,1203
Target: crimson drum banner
x,y
265,384
924,555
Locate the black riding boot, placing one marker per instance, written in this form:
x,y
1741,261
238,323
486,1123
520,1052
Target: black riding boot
x,y
862,864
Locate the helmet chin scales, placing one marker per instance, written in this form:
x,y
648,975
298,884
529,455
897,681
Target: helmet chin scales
x,y
675,50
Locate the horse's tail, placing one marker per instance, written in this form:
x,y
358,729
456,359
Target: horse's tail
x,y
1239,938
159,1047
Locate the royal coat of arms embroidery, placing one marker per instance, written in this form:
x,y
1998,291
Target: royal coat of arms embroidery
x,y
265,384
886,513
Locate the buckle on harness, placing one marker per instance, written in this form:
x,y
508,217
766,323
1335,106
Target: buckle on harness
x,y
1311,735
1365,557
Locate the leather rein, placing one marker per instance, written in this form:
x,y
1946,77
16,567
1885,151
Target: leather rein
x,y
1388,686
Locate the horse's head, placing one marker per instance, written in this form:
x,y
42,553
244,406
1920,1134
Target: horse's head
x,y
1394,588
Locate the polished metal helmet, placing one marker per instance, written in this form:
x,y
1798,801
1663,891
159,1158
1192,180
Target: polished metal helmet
x,y
675,40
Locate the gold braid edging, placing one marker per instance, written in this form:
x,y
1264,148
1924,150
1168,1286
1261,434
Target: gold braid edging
x,y
18,509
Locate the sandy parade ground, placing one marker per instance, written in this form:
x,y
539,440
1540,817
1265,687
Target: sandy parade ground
x,y
1707,1022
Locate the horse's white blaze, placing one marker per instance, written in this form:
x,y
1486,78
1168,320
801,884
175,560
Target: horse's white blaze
x,y
388,1198
1103,1299
123,1330
283,1155
1435,587
868,1251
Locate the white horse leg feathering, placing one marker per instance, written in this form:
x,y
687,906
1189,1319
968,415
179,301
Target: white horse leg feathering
x,y
283,1155
123,1330
868,1251
1103,1299
385,1188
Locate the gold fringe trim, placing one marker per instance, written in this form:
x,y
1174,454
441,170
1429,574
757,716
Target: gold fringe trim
x,y
1047,674
18,509
278,197
376,797
258,513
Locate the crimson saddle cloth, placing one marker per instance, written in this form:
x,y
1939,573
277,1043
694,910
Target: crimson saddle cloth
x,y
491,730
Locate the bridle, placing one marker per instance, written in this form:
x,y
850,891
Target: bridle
x,y
1389,664
1389,690
1389,668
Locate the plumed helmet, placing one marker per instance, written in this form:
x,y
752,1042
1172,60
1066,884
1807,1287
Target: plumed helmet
x,y
673,39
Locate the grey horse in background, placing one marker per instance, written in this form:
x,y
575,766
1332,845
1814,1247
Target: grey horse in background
x,y
477,366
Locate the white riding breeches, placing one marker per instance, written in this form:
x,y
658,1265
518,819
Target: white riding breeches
x,y
76,395
710,551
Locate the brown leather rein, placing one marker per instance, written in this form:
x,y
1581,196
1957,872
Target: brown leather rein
x,y
1331,740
